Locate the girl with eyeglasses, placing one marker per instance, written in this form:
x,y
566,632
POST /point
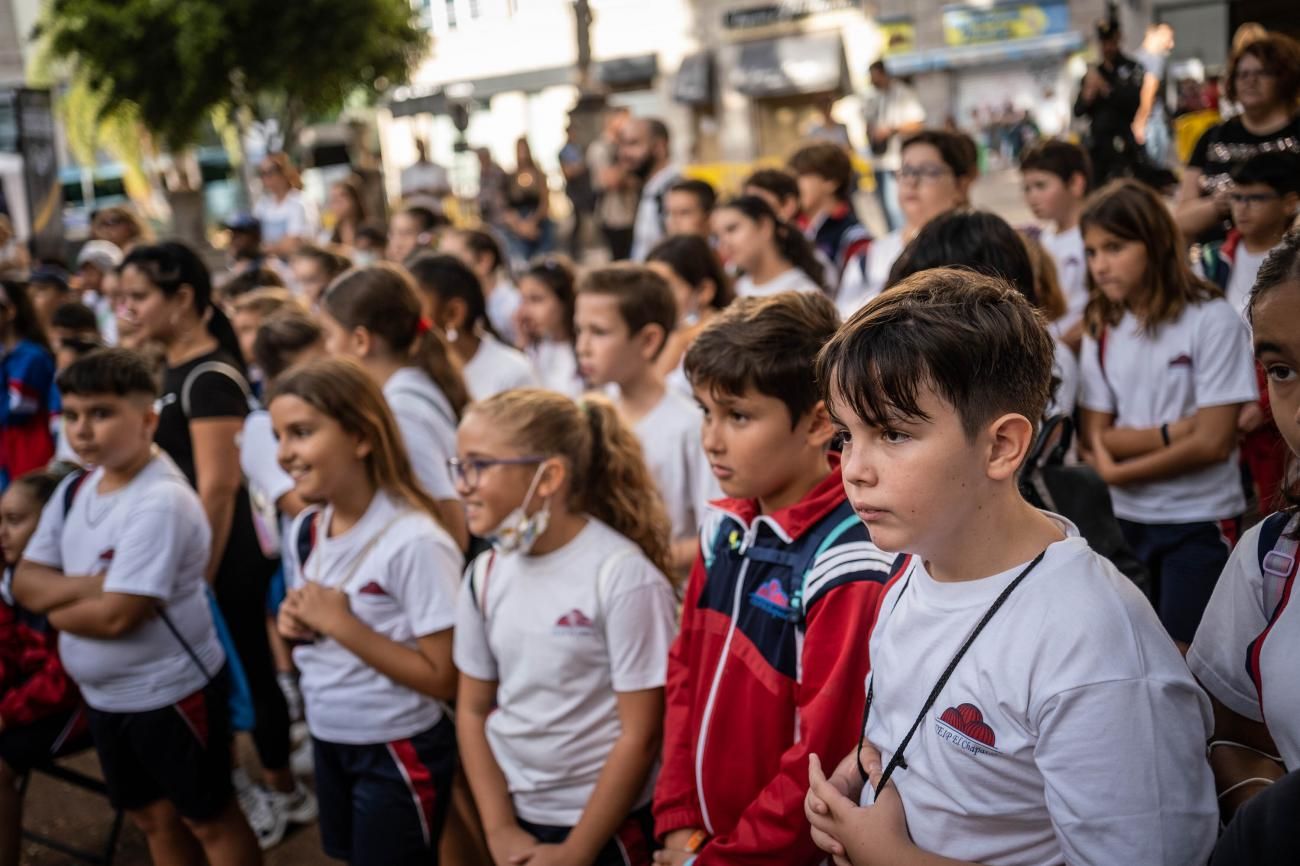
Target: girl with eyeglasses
x,y
373,578
562,630
1263,76
938,169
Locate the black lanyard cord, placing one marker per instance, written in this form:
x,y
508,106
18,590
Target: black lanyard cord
x,y
898,760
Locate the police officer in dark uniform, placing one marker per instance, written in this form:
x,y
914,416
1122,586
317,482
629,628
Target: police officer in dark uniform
x,y
1109,96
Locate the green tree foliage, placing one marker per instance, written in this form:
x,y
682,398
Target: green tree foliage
x,y
176,62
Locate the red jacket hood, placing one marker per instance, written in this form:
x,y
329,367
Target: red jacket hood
x,y
798,518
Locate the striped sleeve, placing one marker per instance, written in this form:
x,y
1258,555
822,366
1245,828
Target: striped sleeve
x,y
850,556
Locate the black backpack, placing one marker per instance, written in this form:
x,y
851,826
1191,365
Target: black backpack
x,y
1077,493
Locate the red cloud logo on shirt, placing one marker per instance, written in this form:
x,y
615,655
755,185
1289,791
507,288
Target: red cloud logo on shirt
x,y
574,619
1183,360
967,721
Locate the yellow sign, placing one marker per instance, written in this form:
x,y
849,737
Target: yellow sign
x,y
898,36
966,25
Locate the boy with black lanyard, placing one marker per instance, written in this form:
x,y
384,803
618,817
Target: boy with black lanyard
x,y
1045,715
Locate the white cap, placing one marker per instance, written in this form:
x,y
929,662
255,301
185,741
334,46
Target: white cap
x,y
104,255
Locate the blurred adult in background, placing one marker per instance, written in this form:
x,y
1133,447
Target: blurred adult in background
x,y
120,225
245,252
348,213
1263,77
1109,96
1151,125
491,188
287,217
425,178
895,114
577,188
97,264
527,216
644,149
826,127
14,259
617,189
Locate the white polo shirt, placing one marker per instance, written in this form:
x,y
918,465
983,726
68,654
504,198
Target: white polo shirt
x,y
401,573
1221,655
1204,359
560,646
1066,250
428,426
149,538
670,437
496,367
1070,732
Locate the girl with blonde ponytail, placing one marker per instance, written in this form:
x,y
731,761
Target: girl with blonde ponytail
x,y
373,579
562,629
372,314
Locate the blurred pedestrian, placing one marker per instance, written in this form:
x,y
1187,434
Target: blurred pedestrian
x,y
425,178
895,115
1109,96
491,188
120,225
577,188
347,211
617,190
826,127
645,151
527,215
287,217
1151,125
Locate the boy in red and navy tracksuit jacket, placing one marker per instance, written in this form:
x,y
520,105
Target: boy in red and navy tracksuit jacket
x,y
771,657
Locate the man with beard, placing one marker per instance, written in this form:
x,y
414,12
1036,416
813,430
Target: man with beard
x,y
644,152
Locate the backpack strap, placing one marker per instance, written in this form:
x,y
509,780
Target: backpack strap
x,y
223,369
1277,559
479,571
306,540
79,477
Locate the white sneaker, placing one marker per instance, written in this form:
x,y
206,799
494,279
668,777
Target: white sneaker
x,y
298,806
258,806
302,760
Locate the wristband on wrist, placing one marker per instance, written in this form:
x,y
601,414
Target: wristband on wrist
x,y
1164,434
696,841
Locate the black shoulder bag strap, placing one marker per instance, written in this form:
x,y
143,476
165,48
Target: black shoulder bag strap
x,y
898,760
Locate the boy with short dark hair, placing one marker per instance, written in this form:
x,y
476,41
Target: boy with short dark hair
x,y
825,177
688,205
623,316
1025,705
1057,176
768,665
117,563
778,188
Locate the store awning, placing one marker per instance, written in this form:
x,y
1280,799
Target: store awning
x,y
986,54
794,64
695,82
628,71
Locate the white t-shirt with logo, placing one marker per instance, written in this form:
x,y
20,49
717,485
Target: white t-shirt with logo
x,y
1236,616
149,538
1066,249
560,643
292,216
401,573
1204,359
496,367
428,426
1070,732
863,280
1245,267
670,437
793,280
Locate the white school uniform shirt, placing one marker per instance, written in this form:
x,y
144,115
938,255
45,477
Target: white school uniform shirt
x,y
1233,620
648,229
1203,359
556,366
1070,732
560,644
502,302
292,216
670,438
401,573
862,282
496,367
149,538
259,460
1065,366
793,280
428,426
1066,249
1245,267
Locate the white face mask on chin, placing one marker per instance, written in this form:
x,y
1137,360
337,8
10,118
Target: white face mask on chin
x,y
518,531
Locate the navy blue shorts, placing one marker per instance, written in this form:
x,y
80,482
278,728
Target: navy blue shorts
x,y
1185,561
180,753
384,804
633,843
24,747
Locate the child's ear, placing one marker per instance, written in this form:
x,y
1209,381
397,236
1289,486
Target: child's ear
x,y
455,312
650,340
554,473
363,342
705,294
1078,185
1010,438
820,429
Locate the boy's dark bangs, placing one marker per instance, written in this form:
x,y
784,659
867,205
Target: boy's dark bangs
x,y
875,373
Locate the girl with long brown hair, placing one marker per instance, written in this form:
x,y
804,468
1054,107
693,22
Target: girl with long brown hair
x,y
373,578
562,630
1166,369
373,314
